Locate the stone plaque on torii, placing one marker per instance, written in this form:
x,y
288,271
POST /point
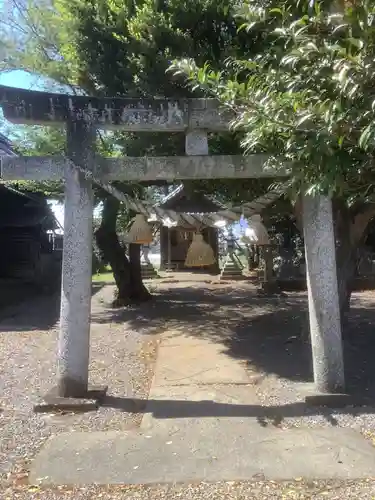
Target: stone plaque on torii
x,y
195,117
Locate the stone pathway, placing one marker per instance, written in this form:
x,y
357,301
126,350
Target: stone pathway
x,y
203,422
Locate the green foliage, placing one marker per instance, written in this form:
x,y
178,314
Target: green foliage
x,y
307,96
113,47
40,141
44,33
122,44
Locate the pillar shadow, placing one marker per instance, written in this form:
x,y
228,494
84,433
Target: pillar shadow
x,y
35,311
270,335
266,415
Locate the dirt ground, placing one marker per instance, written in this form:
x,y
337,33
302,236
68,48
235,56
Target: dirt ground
x,y
268,334
265,333
121,358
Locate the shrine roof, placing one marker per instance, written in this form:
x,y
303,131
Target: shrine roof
x,y
19,209
184,200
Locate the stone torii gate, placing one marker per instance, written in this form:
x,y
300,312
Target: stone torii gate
x,y
82,116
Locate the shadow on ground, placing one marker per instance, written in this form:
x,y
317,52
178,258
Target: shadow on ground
x,y
34,311
269,334
265,415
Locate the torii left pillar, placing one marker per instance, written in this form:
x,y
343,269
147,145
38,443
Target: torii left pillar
x,y
72,390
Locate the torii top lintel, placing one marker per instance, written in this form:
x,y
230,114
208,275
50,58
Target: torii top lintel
x,y
134,115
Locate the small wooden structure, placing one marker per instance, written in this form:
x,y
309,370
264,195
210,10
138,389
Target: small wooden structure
x,y
27,225
175,241
26,249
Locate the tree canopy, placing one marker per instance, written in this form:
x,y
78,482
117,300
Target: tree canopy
x,y
123,48
113,48
297,76
306,97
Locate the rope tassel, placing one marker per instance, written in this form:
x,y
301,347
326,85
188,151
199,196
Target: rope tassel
x,y
199,253
140,231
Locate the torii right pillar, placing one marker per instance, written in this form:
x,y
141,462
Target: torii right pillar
x,y
323,299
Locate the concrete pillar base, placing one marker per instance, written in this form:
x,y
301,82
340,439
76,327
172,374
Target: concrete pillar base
x,y
334,400
89,401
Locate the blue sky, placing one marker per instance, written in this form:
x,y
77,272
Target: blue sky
x,y
19,79
22,79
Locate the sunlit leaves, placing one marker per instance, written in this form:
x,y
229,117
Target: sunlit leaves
x,y
308,94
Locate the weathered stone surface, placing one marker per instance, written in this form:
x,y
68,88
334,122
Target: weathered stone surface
x,y
324,311
204,449
74,336
135,115
73,405
52,402
180,363
196,143
33,167
142,168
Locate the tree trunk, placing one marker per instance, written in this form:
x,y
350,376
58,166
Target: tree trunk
x,y
129,281
139,291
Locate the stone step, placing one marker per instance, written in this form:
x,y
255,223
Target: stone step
x,y
232,270
232,277
209,449
148,271
230,265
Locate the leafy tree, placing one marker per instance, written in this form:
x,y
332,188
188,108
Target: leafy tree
x,y
40,141
121,48
307,98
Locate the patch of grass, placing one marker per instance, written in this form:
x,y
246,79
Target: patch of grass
x,y
106,277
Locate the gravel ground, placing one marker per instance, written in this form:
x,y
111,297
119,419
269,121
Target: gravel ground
x,y
122,358
257,490
265,334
